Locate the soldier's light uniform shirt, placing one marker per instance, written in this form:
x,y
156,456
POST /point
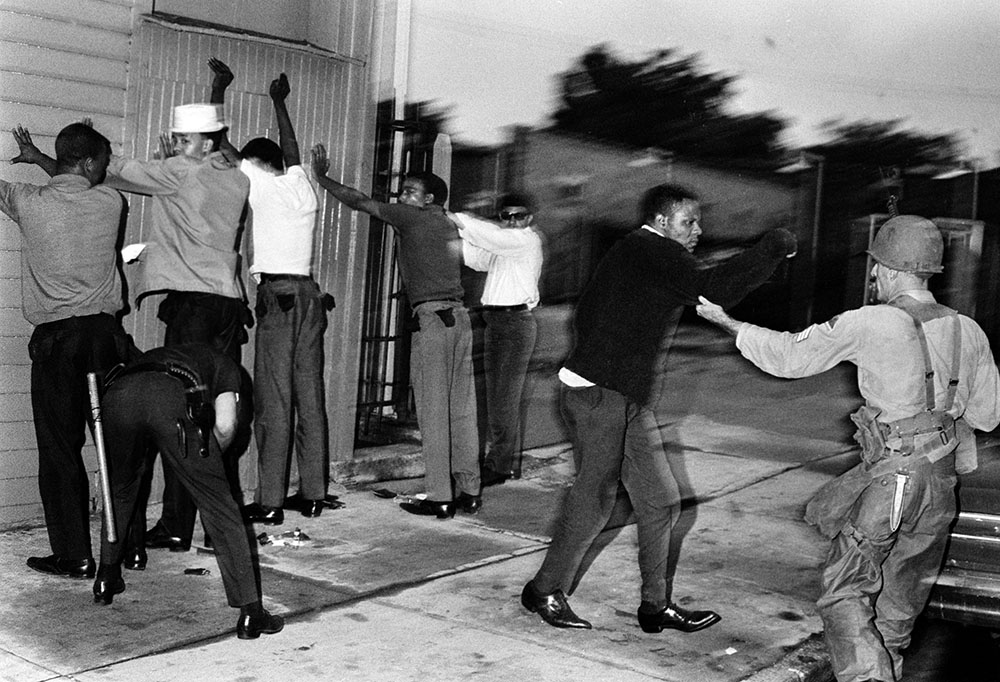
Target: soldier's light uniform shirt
x,y
882,341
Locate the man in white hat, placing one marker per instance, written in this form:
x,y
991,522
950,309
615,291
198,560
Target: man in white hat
x,y
191,255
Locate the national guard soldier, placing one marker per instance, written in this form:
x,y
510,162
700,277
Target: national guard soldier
x,y
928,379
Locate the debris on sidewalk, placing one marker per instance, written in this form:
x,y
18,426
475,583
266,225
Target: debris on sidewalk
x,y
292,538
387,494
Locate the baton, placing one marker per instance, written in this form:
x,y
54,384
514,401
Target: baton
x,y
102,460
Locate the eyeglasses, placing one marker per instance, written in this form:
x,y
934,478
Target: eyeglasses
x,y
513,215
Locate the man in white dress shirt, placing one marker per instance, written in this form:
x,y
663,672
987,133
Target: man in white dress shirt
x,y
510,253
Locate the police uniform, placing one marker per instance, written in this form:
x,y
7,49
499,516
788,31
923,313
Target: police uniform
x,y
162,401
889,516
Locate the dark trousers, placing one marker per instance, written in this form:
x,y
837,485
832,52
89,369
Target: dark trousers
x,y
288,388
614,439
62,353
146,412
508,340
876,581
192,317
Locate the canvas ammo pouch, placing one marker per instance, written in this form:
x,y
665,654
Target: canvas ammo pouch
x,y
869,435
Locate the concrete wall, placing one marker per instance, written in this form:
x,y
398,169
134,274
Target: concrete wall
x,y
62,60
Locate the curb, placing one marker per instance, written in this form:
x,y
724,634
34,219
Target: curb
x,y
807,662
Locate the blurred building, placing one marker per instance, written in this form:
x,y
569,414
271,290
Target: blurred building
x,y
588,193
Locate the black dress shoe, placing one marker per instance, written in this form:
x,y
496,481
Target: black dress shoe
x,y
159,537
312,508
258,513
57,565
109,582
470,504
250,627
553,608
491,477
442,510
135,559
676,618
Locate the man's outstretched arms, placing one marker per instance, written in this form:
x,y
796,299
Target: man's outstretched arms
x,y
29,153
221,80
350,197
286,133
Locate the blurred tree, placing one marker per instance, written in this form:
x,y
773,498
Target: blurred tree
x,y
664,101
868,160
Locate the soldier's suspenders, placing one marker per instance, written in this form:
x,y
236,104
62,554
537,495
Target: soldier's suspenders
x,y
920,313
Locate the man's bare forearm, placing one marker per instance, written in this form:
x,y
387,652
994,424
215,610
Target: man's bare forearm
x,y
716,315
286,135
348,196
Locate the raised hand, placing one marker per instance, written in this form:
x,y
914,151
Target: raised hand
x,y
165,149
223,76
27,151
320,162
279,88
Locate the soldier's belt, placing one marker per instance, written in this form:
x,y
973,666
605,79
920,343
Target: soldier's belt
x,y
918,424
900,435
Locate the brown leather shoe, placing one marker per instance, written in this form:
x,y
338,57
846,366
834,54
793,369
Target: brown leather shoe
x,y
553,608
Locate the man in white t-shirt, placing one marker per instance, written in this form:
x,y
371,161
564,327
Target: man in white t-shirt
x,y
291,316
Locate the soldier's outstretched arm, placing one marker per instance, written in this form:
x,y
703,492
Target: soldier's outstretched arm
x,y
716,315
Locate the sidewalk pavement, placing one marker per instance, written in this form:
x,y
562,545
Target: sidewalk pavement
x,y
378,594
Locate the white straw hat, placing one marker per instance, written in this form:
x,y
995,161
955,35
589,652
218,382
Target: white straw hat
x,y
197,118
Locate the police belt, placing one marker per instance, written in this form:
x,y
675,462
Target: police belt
x,y
199,407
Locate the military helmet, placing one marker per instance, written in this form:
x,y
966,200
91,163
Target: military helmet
x,y
909,243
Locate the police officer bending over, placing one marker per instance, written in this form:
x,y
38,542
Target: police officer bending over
x,y
928,379
182,401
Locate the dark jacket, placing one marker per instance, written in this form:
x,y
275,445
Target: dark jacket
x,y
629,311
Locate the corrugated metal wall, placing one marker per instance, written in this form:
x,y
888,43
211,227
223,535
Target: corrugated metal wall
x,y
328,104
62,60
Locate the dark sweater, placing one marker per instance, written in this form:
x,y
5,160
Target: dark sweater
x,y
629,311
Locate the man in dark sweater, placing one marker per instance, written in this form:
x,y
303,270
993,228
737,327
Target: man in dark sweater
x,y
625,322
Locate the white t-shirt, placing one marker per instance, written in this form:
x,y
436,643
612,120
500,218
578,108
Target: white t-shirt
x,y
283,219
